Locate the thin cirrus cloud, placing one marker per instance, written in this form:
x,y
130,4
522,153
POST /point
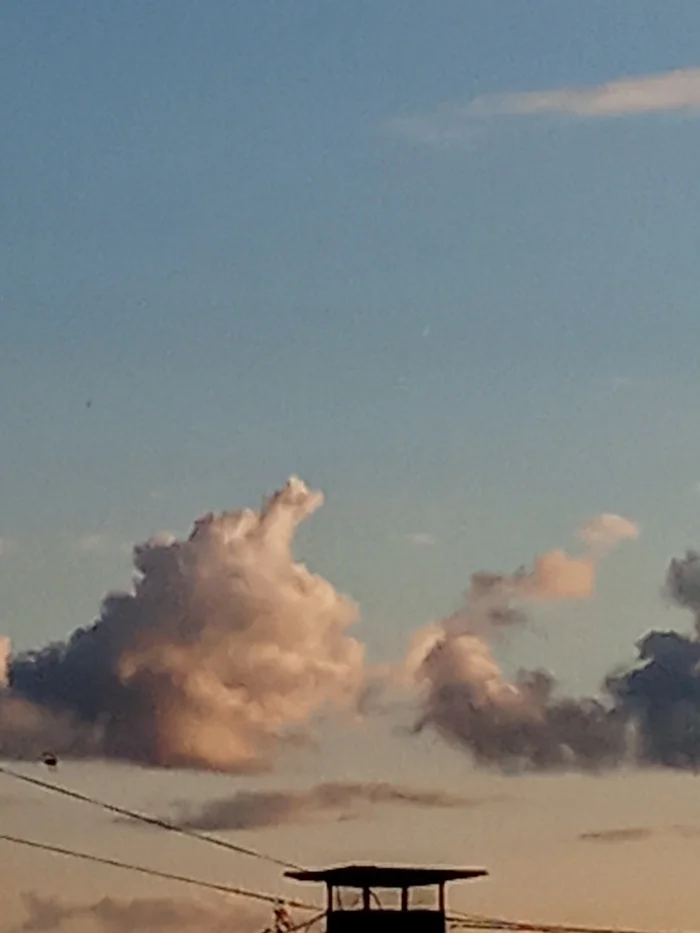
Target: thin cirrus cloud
x,y
666,92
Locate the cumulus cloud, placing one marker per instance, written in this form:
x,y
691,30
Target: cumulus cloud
x,y
683,583
662,692
224,646
139,915
465,696
606,531
666,92
497,599
648,713
258,809
5,652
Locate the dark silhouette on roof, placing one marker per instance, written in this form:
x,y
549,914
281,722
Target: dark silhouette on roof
x,y
386,876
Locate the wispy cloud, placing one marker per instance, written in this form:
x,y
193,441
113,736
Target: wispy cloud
x,y
639,834
666,92
687,831
421,539
259,809
633,834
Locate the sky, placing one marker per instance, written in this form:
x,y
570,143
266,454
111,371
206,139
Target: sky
x,y
436,258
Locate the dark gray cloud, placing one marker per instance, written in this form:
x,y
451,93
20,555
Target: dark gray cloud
x,y
258,809
647,713
661,693
683,582
514,726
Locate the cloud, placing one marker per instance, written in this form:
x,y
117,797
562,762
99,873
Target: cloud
x,y
421,539
661,693
647,713
555,576
666,92
682,584
258,809
636,834
226,649
140,915
687,831
5,654
222,649
520,724
607,530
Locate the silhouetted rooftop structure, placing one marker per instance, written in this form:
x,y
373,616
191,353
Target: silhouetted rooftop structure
x,y
341,918
386,876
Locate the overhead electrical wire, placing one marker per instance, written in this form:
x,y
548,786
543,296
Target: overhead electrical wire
x,y
480,922
456,919
156,873
148,820
463,921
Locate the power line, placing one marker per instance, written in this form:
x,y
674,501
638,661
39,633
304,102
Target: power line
x,y
478,922
459,920
464,921
156,873
149,820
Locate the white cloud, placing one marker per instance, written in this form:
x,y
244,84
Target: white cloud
x,y
667,92
421,539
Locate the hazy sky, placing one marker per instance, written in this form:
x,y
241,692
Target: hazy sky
x,y
439,258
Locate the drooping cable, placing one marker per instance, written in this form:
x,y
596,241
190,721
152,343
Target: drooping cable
x,y
480,922
148,820
156,873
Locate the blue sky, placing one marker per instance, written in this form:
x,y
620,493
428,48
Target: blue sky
x,y
271,237
215,231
